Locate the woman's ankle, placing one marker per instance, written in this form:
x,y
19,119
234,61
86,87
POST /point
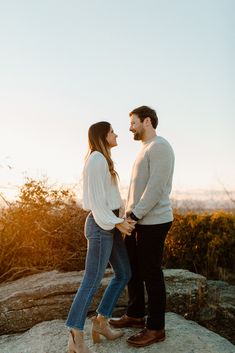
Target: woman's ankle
x,y
76,332
101,317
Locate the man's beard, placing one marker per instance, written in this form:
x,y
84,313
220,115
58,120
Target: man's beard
x,y
138,135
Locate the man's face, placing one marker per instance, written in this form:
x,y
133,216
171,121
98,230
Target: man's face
x,y
136,127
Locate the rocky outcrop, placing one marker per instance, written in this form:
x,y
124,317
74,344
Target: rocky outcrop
x,y
48,296
219,313
182,336
186,291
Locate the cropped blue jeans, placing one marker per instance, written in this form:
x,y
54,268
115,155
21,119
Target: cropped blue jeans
x,y
104,246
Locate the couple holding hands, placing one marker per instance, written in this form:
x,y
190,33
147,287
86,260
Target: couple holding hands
x,y
135,259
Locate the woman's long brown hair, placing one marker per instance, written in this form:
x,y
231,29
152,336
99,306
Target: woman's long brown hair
x,y
97,135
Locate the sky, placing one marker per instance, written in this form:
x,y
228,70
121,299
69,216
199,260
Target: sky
x,y
67,64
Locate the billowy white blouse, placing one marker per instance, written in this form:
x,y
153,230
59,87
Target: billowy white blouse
x,y
100,194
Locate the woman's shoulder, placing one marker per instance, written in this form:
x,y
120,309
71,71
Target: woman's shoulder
x,y
96,158
96,155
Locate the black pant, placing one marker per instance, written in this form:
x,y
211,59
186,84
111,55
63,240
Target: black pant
x,y
145,250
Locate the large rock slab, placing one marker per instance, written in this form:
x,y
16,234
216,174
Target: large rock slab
x,y
48,296
182,337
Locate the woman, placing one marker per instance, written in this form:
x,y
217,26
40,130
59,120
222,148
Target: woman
x,y
103,230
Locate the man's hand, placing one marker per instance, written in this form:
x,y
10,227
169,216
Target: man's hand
x,y
131,222
126,227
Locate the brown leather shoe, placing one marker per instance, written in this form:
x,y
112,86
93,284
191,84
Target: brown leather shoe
x,y
127,321
146,337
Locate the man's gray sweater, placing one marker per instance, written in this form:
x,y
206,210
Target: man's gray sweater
x,y
151,183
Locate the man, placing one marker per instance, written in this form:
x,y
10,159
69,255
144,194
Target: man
x,y
149,205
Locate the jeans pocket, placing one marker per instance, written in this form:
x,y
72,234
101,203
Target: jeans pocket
x,y
93,230
89,226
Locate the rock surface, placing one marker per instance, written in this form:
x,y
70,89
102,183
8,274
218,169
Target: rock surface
x,y
223,296
48,296
219,313
182,337
186,291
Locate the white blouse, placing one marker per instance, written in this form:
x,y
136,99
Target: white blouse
x,y
100,194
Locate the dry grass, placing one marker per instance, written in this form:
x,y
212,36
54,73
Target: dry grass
x,y
43,230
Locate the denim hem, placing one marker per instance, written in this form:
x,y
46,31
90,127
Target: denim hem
x,y
74,327
104,315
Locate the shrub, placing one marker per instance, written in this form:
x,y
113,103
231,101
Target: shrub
x,y
203,243
41,231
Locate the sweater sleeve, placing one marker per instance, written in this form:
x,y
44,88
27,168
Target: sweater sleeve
x,y
161,162
96,175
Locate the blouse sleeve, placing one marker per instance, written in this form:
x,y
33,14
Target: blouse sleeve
x,y
96,177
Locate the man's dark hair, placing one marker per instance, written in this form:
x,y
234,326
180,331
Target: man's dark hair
x,y
144,112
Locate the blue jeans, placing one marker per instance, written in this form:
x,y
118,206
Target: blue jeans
x,y
104,246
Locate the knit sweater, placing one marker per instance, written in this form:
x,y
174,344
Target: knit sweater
x,y
151,183
100,194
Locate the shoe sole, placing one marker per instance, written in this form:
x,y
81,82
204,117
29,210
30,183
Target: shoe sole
x,y
126,326
147,344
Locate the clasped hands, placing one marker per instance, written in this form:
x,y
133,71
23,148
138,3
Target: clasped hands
x,y
127,226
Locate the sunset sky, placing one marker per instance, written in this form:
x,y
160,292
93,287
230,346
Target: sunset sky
x,y
67,64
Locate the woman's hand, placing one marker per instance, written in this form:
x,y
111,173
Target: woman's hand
x,y
126,227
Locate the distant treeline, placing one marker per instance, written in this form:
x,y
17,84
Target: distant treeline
x,y
43,230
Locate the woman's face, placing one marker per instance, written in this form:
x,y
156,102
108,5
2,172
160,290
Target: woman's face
x,y
111,138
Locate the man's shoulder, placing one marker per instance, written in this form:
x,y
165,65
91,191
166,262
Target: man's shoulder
x,y
159,142
160,149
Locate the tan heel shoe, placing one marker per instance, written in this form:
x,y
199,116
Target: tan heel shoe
x,y
95,336
100,326
76,342
71,343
